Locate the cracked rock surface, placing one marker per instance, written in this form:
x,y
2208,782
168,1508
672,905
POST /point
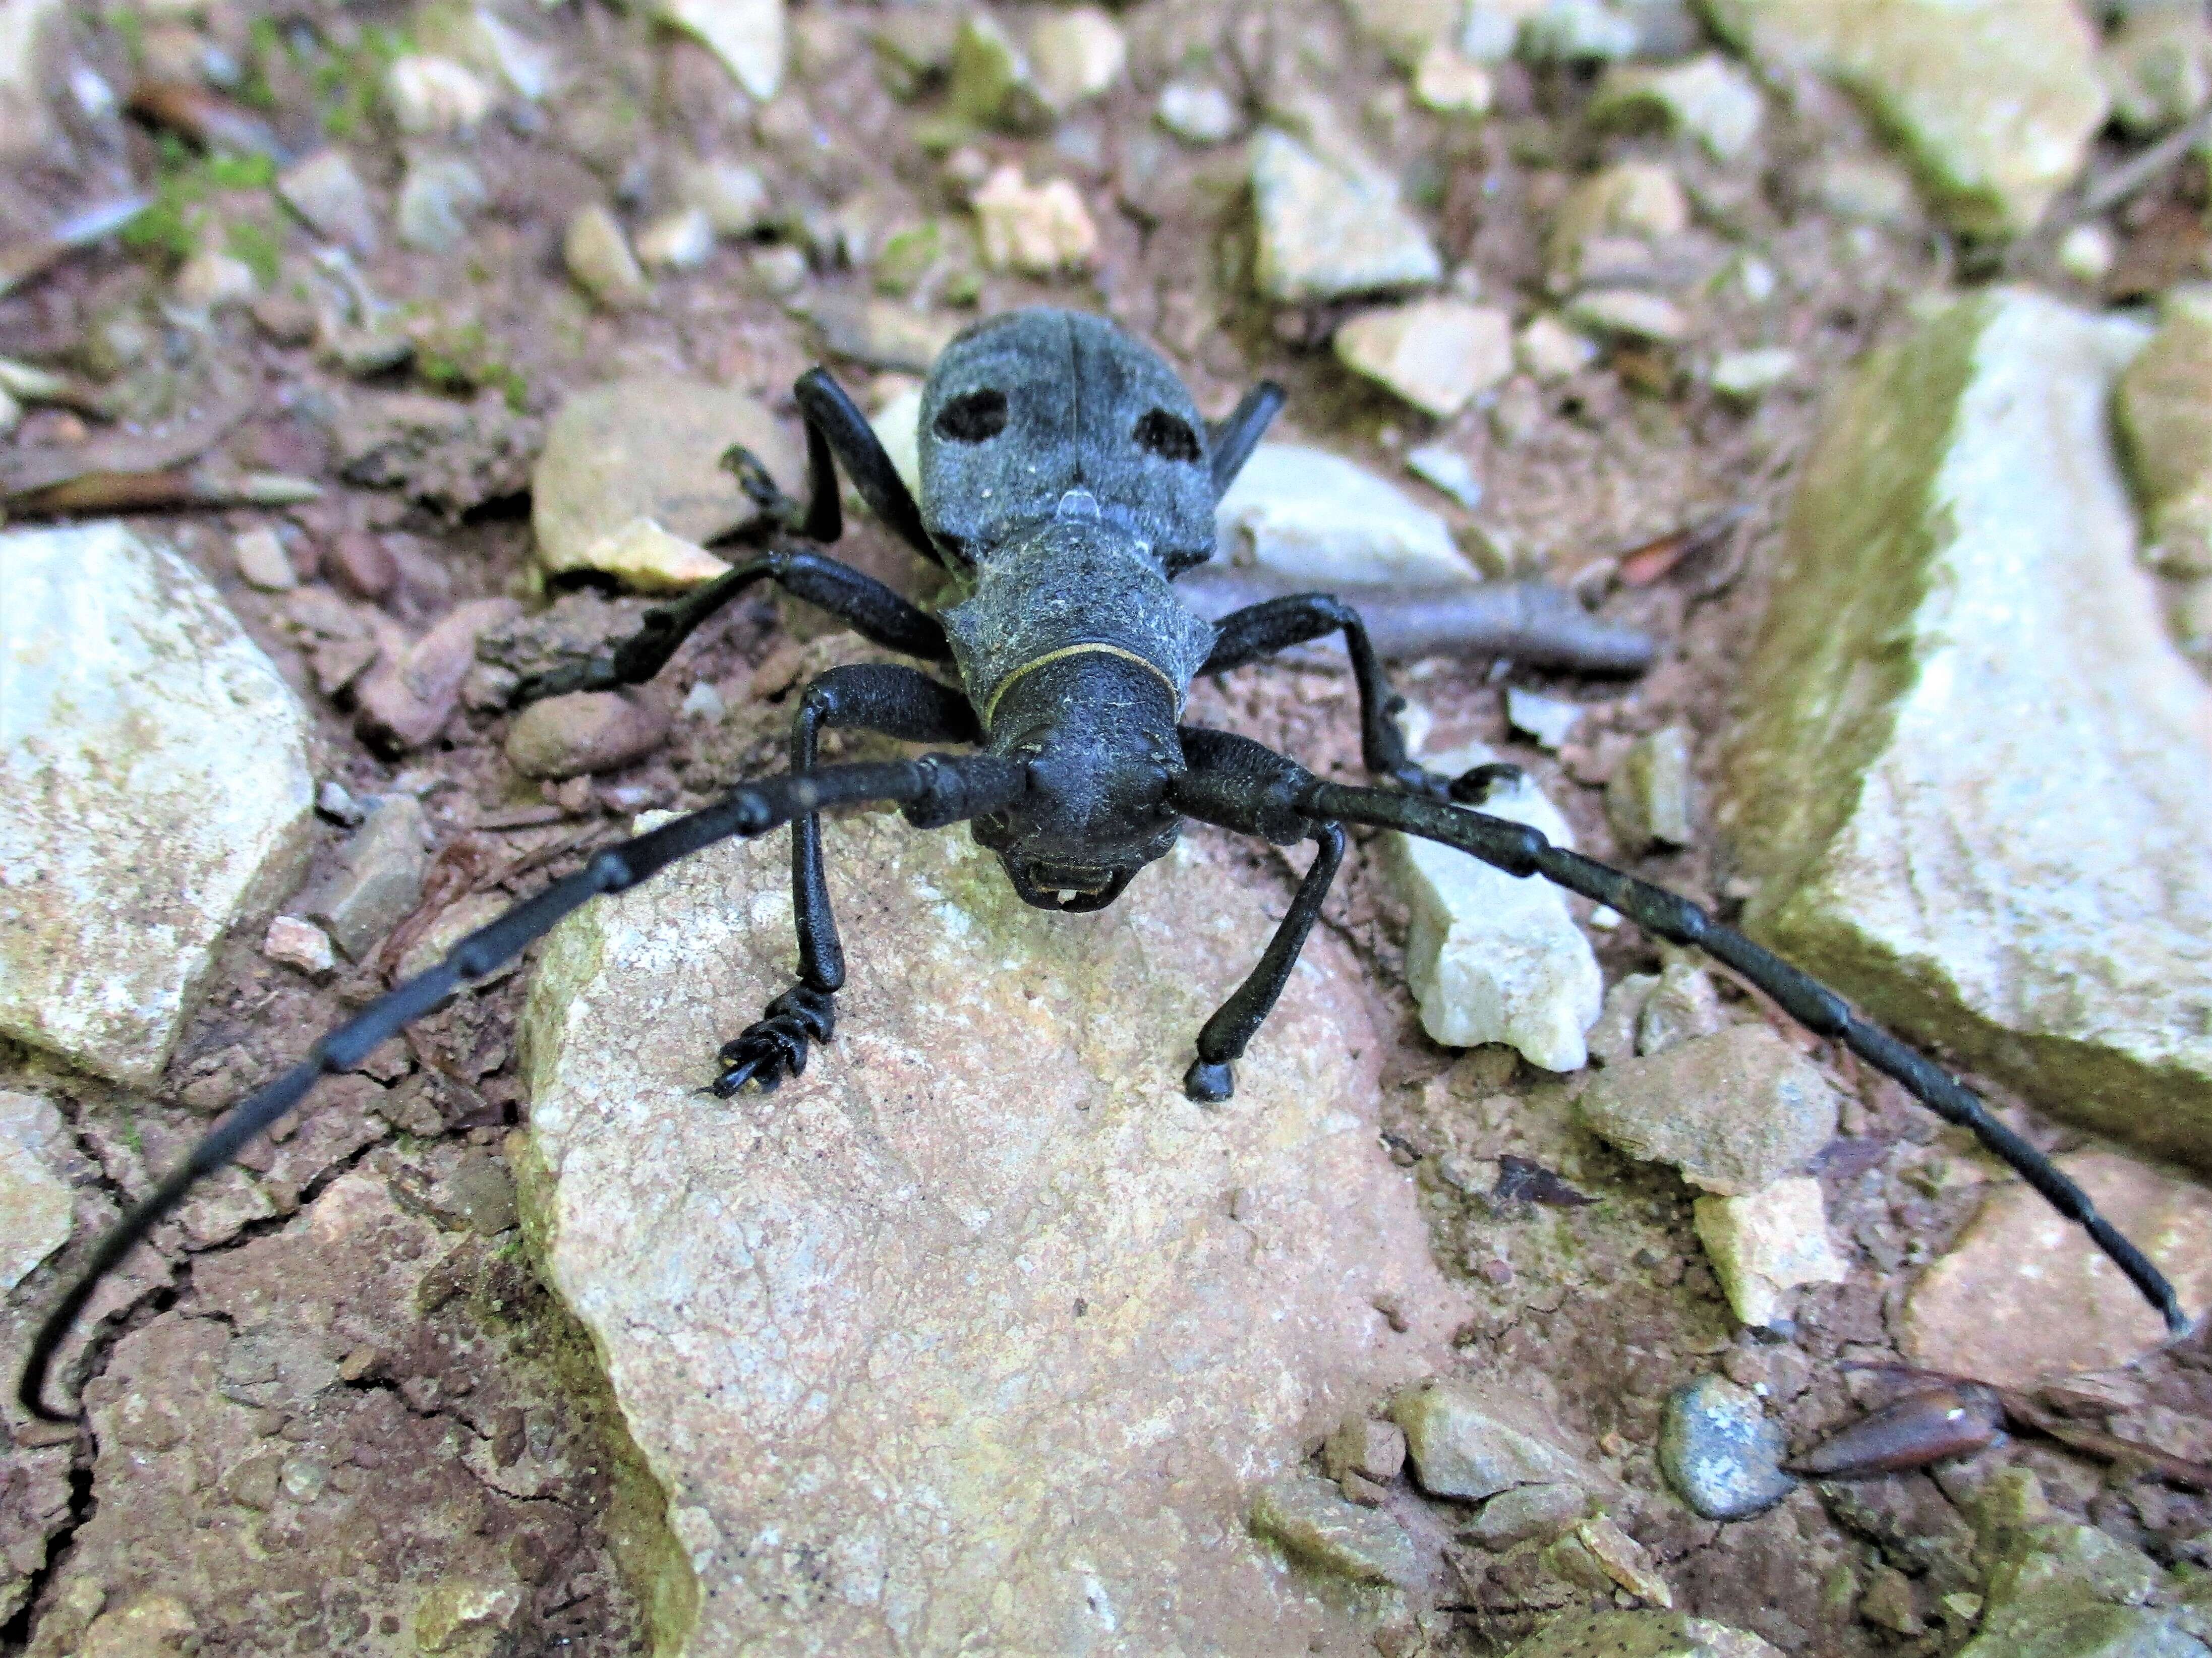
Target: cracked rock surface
x,y
980,1331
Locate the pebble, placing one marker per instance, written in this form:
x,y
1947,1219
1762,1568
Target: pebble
x,y
11,412
37,1204
583,733
1647,799
898,426
1436,353
1639,201
992,84
1374,1450
1547,348
1765,1243
1492,958
2023,1297
598,257
1447,469
1708,97
1077,55
379,878
325,191
1744,376
1863,189
1526,1512
1682,1006
435,96
1640,1635
454,923
153,787
704,702
682,241
1465,1443
2164,408
1318,1528
649,447
733,197
1549,720
464,1615
261,559
1449,83
1613,1037
334,801
2058,896
361,564
747,35
212,281
1327,231
1995,101
294,943
1630,313
406,700
1308,515
1734,1111
2158,67
882,333
646,559
1198,112
2087,253
1721,1452
1583,31
778,272
439,200
1039,230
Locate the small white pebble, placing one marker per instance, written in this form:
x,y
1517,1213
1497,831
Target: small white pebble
x,y
1747,376
683,240
2086,253
302,945
704,702
1197,112
1447,469
1550,720
261,560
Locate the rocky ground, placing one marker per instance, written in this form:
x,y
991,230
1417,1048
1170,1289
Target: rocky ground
x,y
1851,355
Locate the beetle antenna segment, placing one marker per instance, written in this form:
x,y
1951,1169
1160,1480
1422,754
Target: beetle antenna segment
x,y
1519,850
936,790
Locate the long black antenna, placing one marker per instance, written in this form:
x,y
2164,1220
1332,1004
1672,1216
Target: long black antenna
x,y
935,790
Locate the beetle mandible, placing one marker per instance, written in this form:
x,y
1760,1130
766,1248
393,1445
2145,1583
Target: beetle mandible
x,y
1067,479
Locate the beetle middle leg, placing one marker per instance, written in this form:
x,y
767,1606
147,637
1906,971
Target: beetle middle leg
x,y
1222,1040
1276,624
877,697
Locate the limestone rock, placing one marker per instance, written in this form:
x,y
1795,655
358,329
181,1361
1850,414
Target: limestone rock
x,y
648,447
598,257
1374,1450
1038,230
1640,1635
1449,83
432,95
1707,97
1466,1443
1549,350
1638,200
1971,783
1329,230
585,732
2024,1296
1443,467
898,426
733,197
889,333
682,241
325,191
1437,354
1647,799
1996,99
961,1316
646,559
1630,313
438,200
2158,67
1598,1554
153,790
1528,1511
1682,1007
2165,413
1721,1452
449,455
24,124
1308,515
379,877
36,1206
992,84
1077,55
1311,1520
1734,1111
1767,1244
1493,958
747,35
1198,112
1746,376
2067,1590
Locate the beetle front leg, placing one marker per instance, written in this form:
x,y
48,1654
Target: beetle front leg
x,y
877,697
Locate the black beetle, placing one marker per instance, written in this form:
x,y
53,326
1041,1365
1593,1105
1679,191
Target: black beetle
x,y
1067,479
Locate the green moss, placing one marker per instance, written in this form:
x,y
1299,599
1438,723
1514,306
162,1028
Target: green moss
x,y
259,248
176,221
349,81
463,358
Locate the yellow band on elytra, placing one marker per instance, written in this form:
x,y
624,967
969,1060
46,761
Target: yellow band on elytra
x,y
1007,684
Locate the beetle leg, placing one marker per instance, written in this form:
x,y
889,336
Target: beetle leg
x,y
877,697
1276,624
859,601
1230,442
833,418
1221,1042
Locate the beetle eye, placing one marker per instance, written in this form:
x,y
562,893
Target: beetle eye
x,y
1165,435
973,416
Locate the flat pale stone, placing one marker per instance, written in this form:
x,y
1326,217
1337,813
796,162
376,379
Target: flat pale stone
x,y
1437,354
1038,230
1973,782
747,35
326,191
1995,101
1472,1443
1308,515
2165,415
646,559
2024,1296
1640,1635
1311,1518
36,1204
1077,55
1640,199
1766,1243
598,257
1734,1111
1708,97
953,1344
649,447
1493,958
1328,230
153,790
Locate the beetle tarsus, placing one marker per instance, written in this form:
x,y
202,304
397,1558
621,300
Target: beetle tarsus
x,y
774,1047
1209,1083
